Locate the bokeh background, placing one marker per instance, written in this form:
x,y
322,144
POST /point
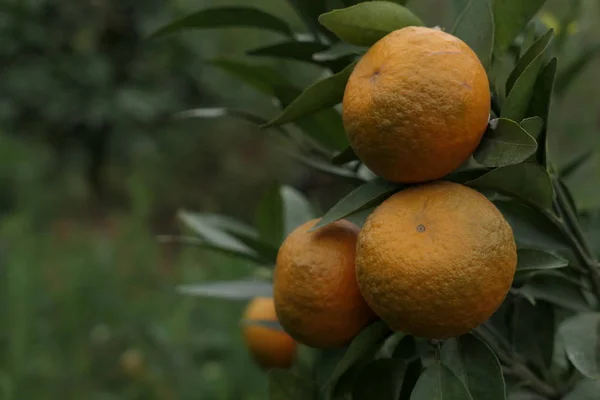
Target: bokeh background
x,y
93,166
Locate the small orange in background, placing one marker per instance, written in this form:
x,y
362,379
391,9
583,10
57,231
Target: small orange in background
x,y
416,105
269,347
436,260
317,298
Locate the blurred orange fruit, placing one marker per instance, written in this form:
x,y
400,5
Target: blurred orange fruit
x,y
269,347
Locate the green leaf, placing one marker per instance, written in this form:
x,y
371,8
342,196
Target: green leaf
x,y
527,182
581,336
539,105
366,23
556,290
338,51
213,237
366,342
226,17
411,377
219,112
319,96
380,379
296,209
475,26
233,290
511,17
476,366
525,394
532,228
269,216
291,49
345,156
533,333
533,126
530,55
438,382
309,11
536,260
365,196
585,389
275,325
508,143
518,99
572,71
284,385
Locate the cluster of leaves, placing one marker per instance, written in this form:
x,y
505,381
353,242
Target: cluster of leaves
x,y
543,342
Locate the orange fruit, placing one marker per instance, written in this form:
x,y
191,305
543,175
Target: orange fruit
x,y
416,105
317,298
436,260
269,347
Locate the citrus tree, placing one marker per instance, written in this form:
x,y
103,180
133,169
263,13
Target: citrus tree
x,y
542,340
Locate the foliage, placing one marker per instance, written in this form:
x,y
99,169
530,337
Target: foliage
x,y
556,286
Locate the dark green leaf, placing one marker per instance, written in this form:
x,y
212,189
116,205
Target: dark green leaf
x,y
581,336
284,385
438,382
530,55
532,228
381,379
291,49
366,23
275,325
572,71
319,96
411,376
327,168
518,100
345,156
339,50
573,165
234,290
325,126
225,17
511,17
525,394
586,389
365,196
475,26
536,259
556,290
366,342
508,143
269,216
309,11
533,332
539,105
265,79
476,366
527,182
234,251
296,209
406,348
533,126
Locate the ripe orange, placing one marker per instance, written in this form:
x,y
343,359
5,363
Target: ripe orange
x,y
269,347
436,260
416,105
317,298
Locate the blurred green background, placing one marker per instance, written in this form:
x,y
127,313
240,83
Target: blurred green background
x,y
93,166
